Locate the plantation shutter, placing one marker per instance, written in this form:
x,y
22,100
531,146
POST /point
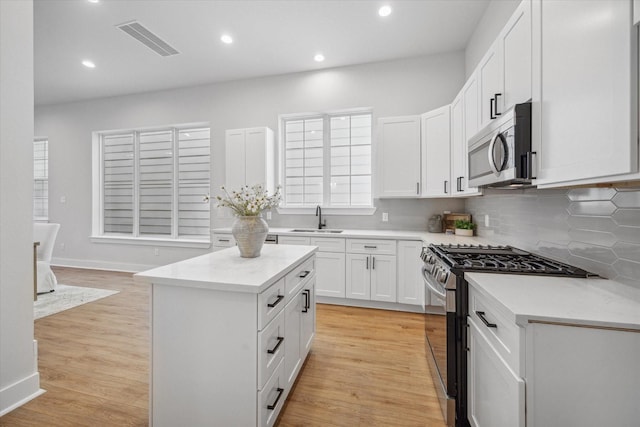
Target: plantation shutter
x,y
155,182
304,140
118,179
351,160
193,182
41,179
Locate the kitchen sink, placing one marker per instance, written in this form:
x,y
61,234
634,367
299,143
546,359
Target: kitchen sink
x,y
315,230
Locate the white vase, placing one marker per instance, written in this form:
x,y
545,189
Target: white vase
x,y
463,232
250,232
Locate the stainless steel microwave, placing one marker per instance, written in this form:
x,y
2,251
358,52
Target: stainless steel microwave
x,y
500,154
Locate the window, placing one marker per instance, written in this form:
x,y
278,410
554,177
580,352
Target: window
x,y
154,184
327,160
41,179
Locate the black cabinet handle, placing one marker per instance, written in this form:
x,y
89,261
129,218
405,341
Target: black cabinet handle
x,y
274,349
367,267
276,302
481,315
496,104
445,187
223,240
275,402
417,188
307,300
491,116
459,183
373,263
370,247
304,274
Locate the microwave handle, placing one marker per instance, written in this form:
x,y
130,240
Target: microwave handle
x,y
492,145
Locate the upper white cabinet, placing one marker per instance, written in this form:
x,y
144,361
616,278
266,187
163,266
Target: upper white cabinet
x,y
398,156
585,86
436,143
464,107
249,158
504,73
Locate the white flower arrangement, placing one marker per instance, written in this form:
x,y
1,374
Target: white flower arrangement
x,y
249,201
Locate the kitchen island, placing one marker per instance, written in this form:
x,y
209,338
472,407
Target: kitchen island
x,y
229,335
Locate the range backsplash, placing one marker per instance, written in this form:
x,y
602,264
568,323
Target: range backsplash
x,y
597,229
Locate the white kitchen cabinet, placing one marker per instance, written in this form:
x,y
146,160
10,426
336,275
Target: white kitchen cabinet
x,y
504,73
331,274
293,240
249,158
398,157
223,241
358,284
436,149
464,121
383,278
410,285
371,270
496,396
584,110
308,320
471,96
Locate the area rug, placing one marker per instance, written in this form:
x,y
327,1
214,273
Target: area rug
x,y
66,297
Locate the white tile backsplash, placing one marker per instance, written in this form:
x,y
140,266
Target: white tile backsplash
x,y
597,229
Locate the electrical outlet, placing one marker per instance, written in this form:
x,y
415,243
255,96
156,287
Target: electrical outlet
x,y
486,220
268,215
156,251
385,216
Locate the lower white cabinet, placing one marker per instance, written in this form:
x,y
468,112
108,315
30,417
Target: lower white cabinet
x,y
330,267
495,395
371,277
299,326
410,283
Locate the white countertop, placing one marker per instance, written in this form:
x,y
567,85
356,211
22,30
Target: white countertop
x,y
424,236
595,302
225,270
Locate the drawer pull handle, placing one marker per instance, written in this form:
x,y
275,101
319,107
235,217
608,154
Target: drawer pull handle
x,y
224,240
370,247
275,402
274,349
488,324
304,274
276,302
307,300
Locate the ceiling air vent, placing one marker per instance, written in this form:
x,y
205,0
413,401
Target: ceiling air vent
x,y
147,38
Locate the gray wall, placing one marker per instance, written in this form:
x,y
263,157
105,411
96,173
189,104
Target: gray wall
x,y
597,229
402,87
19,379
494,18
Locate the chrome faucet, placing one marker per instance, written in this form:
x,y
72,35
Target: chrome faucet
x,y
319,215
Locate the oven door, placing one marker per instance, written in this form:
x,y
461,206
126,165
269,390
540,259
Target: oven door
x,y
441,348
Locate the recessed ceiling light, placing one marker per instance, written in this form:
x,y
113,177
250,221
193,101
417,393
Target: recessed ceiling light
x,y
384,10
88,64
319,57
226,39
93,1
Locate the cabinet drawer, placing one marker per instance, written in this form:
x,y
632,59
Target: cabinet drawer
x,y
270,303
503,334
362,246
298,277
270,348
271,397
223,240
328,244
293,240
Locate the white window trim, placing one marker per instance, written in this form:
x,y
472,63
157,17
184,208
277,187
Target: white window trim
x,y
97,185
326,208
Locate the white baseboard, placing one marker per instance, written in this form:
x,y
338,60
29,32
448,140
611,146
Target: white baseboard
x,y
370,304
100,265
19,393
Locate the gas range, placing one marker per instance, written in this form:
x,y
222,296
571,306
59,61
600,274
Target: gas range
x,y
494,259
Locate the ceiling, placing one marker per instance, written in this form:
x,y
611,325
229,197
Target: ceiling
x,y
270,37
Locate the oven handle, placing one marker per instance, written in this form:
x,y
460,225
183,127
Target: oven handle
x,y
440,294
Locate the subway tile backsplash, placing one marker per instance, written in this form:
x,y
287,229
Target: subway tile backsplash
x,y
597,229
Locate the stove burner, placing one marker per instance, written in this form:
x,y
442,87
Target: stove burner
x,y
502,259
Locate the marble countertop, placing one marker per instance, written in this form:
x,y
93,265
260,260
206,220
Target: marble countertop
x,y
424,236
591,302
225,270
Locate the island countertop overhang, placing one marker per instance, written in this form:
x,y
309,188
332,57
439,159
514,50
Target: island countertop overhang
x,y
225,270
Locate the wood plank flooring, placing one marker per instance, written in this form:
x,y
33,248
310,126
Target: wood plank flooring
x,y
366,367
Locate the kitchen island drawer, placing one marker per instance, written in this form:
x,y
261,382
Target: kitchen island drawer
x,y
271,397
369,246
270,303
270,348
298,276
503,334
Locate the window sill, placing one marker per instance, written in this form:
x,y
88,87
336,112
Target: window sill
x,y
327,211
152,241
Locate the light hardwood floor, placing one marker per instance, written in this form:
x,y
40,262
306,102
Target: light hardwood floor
x,y
366,367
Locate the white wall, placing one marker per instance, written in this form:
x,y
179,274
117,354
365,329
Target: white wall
x,y
410,86
494,18
19,379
